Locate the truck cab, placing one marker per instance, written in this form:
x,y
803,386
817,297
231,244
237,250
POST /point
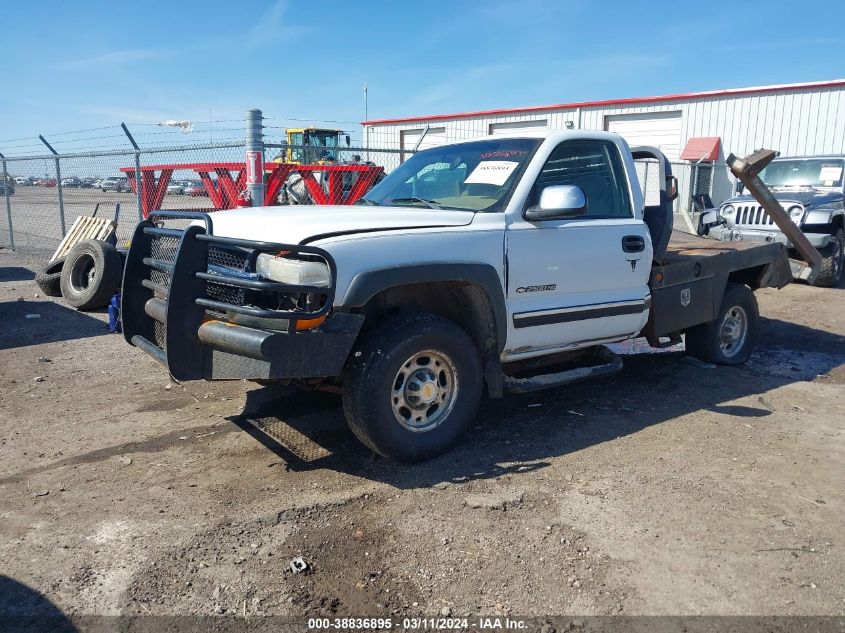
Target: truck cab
x,y
506,262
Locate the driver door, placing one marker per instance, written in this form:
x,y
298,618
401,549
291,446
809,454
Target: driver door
x,y
577,281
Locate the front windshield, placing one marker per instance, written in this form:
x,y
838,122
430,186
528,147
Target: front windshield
x,y
326,139
815,172
476,176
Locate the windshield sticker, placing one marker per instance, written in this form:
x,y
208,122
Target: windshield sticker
x,y
492,172
830,174
503,153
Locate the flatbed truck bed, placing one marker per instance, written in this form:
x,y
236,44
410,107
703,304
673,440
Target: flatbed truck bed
x,y
688,284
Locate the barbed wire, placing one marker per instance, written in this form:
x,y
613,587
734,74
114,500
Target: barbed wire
x,y
205,124
8,147
91,138
315,120
91,129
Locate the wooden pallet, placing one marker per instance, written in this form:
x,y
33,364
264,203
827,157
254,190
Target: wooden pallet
x,y
85,228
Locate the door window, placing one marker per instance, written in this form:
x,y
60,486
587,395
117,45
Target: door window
x,y
595,167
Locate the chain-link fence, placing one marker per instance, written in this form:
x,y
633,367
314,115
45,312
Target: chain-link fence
x,y
46,192
49,193
700,186
304,163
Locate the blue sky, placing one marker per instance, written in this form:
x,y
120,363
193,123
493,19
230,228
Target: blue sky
x,y
77,65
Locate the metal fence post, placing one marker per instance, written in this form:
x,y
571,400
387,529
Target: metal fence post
x,y
710,189
8,203
138,187
254,156
59,195
58,184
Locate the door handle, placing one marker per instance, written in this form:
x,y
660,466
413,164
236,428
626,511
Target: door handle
x,y
633,244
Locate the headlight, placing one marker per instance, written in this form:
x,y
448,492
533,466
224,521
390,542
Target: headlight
x,y
727,211
293,271
796,212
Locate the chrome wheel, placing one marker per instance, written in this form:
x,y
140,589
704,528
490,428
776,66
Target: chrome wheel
x,y
424,391
733,331
83,273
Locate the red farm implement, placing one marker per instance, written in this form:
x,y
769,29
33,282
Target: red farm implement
x,y
337,184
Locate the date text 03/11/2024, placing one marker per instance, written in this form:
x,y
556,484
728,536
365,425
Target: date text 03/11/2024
x,y
421,623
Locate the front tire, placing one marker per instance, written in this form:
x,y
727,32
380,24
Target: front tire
x,y
833,258
412,387
729,339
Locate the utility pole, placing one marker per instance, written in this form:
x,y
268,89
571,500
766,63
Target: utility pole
x,y
254,155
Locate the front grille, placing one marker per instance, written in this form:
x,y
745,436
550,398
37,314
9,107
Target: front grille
x,y
229,257
236,259
165,249
229,286
160,332
753,215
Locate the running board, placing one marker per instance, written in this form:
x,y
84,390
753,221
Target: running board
x,y
590,363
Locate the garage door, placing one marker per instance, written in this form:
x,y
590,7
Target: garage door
x,y
661,130
518,126
434,137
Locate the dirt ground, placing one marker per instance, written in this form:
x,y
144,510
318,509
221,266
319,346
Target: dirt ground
x,y
670,488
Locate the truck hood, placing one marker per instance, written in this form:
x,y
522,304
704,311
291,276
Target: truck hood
x,y
308,223
806,198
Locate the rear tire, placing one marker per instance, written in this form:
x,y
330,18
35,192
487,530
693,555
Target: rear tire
x,y
91,275
49,278
833,255
412,387
730,338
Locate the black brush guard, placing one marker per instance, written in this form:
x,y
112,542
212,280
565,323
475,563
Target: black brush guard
x,y
186,302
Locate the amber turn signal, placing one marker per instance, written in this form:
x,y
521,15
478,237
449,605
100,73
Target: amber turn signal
x,y
308,324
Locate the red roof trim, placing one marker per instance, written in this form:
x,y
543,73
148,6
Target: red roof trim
x,y
835,83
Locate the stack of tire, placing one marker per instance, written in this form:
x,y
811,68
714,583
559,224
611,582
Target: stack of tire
x,y
87,277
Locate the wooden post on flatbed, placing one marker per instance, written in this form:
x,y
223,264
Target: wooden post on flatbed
x,y
747,170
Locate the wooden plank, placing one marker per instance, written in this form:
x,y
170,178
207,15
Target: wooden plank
x,y
105,231
85,228
73,230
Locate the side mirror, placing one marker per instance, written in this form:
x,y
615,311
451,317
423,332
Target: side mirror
x,y
740,187
558,202
347,140
671,188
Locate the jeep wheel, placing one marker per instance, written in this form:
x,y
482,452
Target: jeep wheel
x,y
832,259
728,339
412,387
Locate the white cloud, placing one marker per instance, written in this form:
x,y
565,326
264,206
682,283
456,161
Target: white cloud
x,y
271,27
112,59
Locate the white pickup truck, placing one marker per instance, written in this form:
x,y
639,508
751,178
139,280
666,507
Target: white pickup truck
x,y
505,261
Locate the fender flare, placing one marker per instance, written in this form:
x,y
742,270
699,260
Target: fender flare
x,y
822,215
365,286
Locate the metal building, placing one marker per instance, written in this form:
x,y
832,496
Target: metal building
x,y
795,119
